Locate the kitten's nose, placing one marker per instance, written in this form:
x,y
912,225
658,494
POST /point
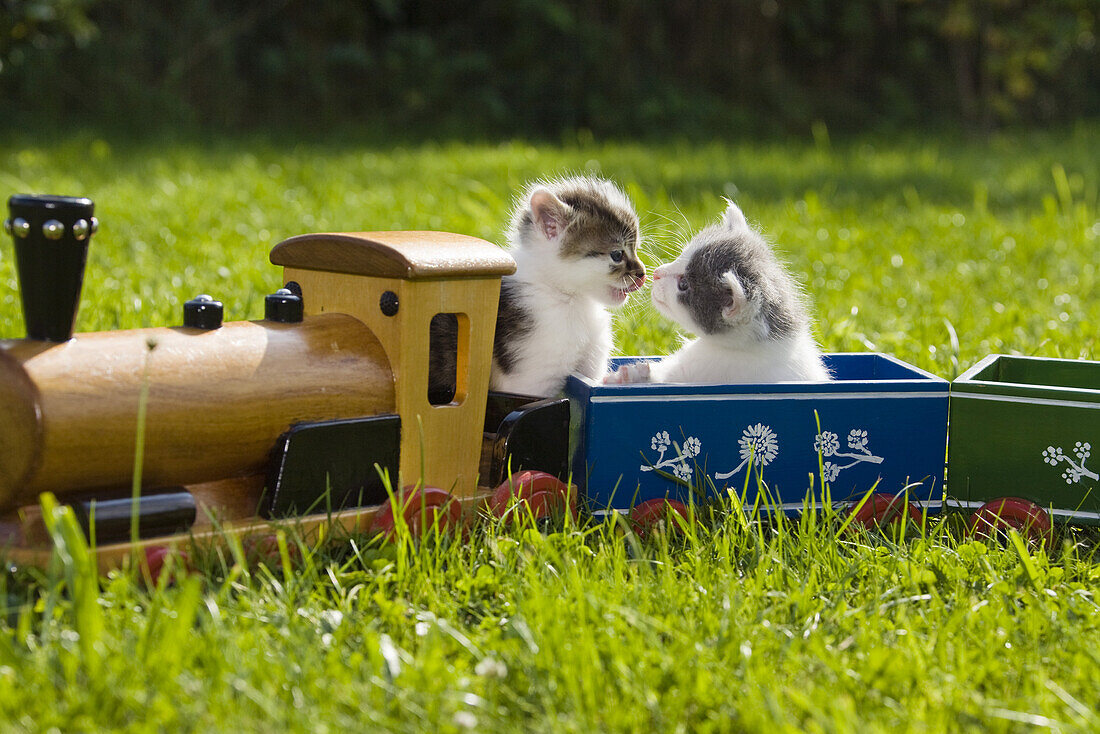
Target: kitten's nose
x,y
657,274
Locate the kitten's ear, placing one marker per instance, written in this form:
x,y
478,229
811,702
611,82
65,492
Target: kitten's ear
x,y
735,306
550,214
732,218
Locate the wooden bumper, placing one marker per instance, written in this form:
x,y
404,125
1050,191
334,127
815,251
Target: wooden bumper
x,y
216,400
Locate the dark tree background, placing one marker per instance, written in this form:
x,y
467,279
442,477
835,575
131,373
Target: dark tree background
x,y
538,67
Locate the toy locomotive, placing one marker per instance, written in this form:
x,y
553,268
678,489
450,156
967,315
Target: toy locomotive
x,y
299,415
228,426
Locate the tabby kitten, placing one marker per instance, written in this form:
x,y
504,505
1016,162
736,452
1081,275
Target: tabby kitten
x,y
575,243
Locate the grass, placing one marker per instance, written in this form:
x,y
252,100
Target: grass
x,y
937,251
736,627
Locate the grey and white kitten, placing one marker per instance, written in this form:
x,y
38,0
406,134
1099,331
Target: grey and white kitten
x,y
575,243
728,288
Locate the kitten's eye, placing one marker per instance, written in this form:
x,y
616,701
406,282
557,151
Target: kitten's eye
x,y
617,256
682,283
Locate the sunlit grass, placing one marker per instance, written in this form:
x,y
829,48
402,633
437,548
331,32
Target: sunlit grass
x,y
938,252
732,626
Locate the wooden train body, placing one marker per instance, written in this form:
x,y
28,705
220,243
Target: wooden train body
x,y
227,427
233,425
216,402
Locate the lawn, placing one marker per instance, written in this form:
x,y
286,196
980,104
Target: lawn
x,y
936,251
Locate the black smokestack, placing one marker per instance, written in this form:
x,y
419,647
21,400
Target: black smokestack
x,y
51,235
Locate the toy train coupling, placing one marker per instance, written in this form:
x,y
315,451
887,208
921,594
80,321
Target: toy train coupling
x,y
305,414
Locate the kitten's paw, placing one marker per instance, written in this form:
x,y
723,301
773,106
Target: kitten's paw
x,y
613,378
628,373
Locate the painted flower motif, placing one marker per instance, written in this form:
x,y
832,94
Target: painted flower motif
x,y
857,439
827,443
691,447
1075,471
760,443
831,471
677,462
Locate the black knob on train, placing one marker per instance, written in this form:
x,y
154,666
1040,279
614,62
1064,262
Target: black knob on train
x,y
283,306
203,312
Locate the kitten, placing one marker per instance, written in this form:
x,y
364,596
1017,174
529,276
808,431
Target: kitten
x,y
575,243
728,287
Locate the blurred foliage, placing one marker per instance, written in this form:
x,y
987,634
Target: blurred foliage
x,y
543,66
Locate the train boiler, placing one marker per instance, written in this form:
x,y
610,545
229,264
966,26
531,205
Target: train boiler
x,y
225,427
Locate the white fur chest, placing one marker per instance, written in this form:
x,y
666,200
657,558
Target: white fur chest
x,y
566,334
710,360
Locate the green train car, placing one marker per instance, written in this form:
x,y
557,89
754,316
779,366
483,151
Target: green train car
x,y
1021,438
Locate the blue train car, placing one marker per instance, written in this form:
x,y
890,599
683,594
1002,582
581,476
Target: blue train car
x,y
881,423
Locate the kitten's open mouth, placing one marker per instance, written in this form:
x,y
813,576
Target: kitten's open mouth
x,y
619,295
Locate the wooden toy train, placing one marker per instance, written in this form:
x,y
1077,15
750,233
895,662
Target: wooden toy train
x,y
302,413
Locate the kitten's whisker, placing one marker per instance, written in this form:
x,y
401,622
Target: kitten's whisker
x,y
674,226
665,238
686,222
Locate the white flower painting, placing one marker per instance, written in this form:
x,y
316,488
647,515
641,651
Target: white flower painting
x,y
678,463
759,445
1075,470
827,444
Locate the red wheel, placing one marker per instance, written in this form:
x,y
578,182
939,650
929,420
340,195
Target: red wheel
x,y
156,558
655,514
542,494
421,509
995,517
880,510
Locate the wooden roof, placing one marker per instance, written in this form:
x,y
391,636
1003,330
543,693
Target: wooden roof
x,y
409,255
